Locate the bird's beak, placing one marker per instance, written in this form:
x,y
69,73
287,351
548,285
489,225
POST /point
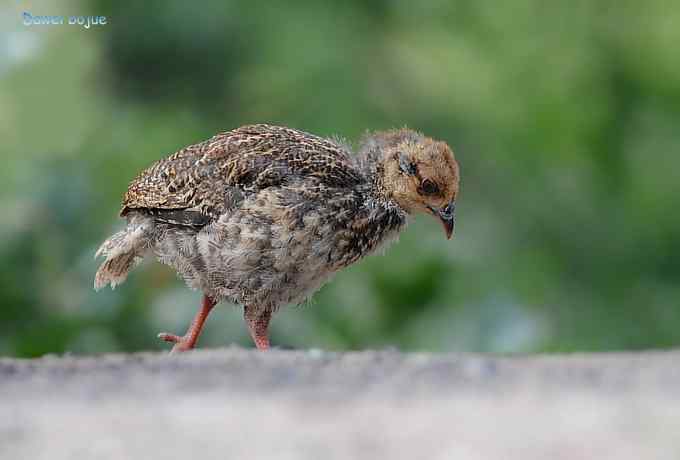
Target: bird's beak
x,y
447,216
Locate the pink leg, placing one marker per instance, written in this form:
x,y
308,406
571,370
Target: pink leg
x,y
188,340
258,323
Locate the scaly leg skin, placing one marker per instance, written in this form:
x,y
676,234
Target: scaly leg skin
x,y
258,323
188,340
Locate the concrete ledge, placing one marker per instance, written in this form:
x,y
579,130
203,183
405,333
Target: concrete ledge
x,y
236,403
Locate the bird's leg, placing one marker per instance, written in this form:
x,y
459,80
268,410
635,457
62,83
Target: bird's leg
x,y
189,339
258,322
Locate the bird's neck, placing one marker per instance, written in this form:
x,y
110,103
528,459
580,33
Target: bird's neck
x,y
374,167
370,159
379,199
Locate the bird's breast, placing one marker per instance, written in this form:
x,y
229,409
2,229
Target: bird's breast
x,y
282,244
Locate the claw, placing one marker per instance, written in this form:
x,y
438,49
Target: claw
x,y
182,343
172,338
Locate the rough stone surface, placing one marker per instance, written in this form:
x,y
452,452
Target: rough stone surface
x,y
235,403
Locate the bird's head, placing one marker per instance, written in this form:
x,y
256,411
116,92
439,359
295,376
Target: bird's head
x,y
419,173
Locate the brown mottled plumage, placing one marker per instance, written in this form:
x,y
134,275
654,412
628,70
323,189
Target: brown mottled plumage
x,y
263,215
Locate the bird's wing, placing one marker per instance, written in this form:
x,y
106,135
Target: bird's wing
x,y
209,178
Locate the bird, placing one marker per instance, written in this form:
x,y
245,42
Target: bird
x,y
263,215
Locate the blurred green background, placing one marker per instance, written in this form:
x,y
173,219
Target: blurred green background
x,y
565,119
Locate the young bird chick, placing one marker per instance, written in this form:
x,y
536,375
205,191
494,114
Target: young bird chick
x,y
263,215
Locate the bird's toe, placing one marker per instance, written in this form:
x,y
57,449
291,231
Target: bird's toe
x,y
172,338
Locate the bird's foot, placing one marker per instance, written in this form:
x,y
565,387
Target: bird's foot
x,y
188,340
182,343
261,342
258,323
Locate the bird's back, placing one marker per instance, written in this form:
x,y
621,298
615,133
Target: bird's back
x,y
247,159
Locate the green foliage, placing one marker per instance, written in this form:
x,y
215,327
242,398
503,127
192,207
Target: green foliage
x,y
564,119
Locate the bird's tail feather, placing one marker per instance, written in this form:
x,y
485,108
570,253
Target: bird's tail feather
x,y
122,251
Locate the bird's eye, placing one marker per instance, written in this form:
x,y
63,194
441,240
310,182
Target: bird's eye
x,y
427,187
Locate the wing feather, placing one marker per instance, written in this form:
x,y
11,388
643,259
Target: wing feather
x,y
205,177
